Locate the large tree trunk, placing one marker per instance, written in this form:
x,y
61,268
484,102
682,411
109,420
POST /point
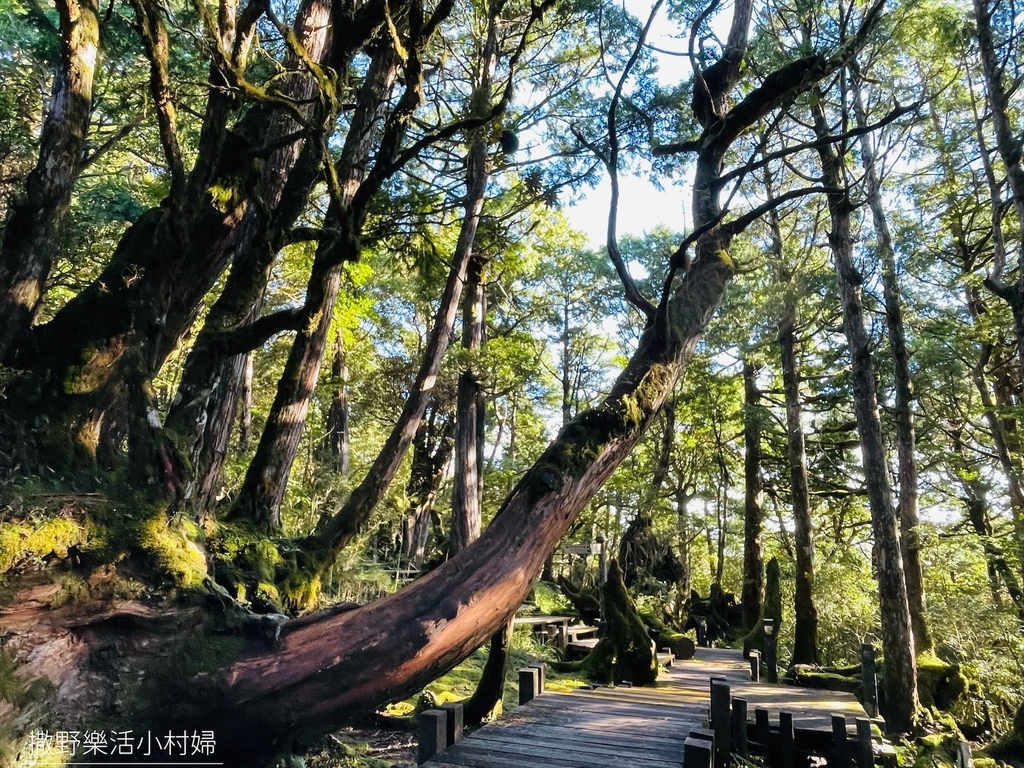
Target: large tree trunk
x,y
906,437
166,262
753,515
30,237
897,633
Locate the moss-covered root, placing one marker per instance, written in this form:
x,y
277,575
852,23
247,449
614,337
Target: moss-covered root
x,y
682,646
624,651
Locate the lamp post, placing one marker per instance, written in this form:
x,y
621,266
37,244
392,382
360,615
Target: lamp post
x,y
771,651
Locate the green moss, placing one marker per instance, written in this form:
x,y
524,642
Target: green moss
x,y
250,565
939,684
25,541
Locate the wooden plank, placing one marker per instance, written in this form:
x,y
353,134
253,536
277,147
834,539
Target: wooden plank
x,y
559,743
533,751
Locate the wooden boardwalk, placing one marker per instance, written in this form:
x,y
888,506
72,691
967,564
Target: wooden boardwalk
x,y
636,727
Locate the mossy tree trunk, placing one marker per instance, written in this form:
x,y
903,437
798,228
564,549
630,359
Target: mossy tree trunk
x,y
625,651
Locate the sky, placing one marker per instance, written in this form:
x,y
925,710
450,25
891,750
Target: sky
x,y
642,207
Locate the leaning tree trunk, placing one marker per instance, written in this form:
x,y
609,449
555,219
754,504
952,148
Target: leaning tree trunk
x,y
30,236
897,633
753,515
906,437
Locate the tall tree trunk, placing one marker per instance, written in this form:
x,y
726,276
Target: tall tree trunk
x,y
897,632
753,514
467,491
431,453
906,437
805,612
30,237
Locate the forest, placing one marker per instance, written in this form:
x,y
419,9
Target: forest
x,y
306,380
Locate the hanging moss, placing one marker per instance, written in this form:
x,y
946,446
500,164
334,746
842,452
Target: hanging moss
x,y
624,651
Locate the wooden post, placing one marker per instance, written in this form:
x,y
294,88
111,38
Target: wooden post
x,y
541,668
787,740
454,726
739,726
869,679
865,756
528,684
697,753
771,655
433,731
837,757
763,730
963,754
721,722
755,666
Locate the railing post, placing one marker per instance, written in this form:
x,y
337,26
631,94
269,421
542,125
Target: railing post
x,y
453,730
721,722
755,666
763,730
433,734
787,740
869,680
739,726
528,684
697,753
541,668
865,755
837,757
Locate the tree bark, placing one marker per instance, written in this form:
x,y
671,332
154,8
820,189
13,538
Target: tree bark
x,y
897,633
336,438
29,243
903,410
753,515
